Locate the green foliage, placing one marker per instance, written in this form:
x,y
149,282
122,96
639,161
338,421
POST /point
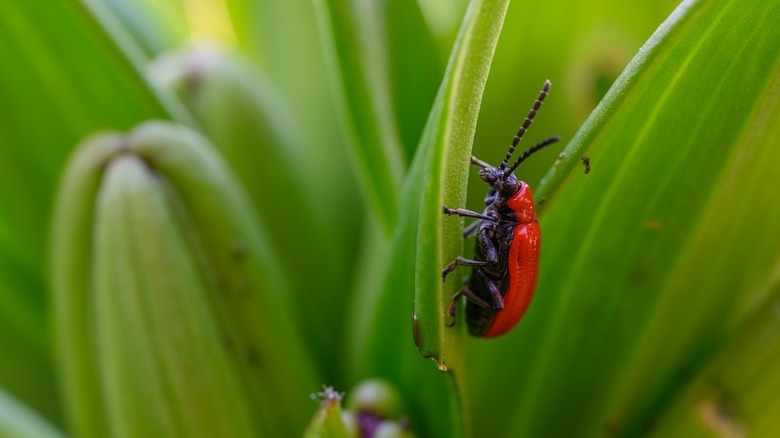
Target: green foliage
x,y
206,279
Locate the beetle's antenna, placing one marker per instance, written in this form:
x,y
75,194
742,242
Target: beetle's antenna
x,y
526,123
530,151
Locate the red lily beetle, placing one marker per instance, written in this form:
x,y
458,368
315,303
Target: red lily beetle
x,y
506,255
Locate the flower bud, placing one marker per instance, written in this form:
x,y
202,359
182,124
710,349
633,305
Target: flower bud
x,y
170,314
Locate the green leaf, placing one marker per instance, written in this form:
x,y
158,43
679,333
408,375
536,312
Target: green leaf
x,y
415,68
357,67
736,391
446,151
27,369
639,257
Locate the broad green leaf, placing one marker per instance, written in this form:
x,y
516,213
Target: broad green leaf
x,y
736,392
357,65
651,257
26,369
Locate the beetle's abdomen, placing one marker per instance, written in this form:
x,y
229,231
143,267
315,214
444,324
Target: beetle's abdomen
x,y
480,318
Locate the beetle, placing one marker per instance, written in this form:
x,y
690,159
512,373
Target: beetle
x,y
507,244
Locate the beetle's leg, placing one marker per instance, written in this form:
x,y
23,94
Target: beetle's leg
x,y
479,163
498,299
487,246
468,231
459,261
464,292
491,198
466,213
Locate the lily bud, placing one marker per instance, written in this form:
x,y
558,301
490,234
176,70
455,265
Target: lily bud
x,y
171,316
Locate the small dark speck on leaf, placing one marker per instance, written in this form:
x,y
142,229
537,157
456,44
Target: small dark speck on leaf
x,y
586,162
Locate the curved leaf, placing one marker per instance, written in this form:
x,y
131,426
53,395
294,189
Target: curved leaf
x,y
446,151
415,68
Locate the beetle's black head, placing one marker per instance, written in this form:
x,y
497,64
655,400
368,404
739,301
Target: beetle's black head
x,y
506,184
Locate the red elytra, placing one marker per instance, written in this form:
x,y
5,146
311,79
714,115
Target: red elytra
x,y
507,245
522,266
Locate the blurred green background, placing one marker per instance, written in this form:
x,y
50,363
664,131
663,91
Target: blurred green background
x,y
657,267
